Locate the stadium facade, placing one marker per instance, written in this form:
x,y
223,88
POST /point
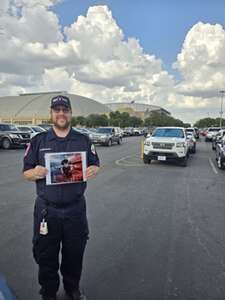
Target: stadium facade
x,y
34,108
140,110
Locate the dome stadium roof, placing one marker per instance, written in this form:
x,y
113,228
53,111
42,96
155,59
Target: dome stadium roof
x,y
37,104
137,107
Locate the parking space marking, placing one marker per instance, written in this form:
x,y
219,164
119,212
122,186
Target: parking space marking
x,y
213,166
124,161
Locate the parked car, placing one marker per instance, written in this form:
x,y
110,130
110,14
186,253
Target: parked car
x,y
45,126
217,138
220,153
32,129
211,131
197,132
192,142
137,131
128,131
167,143
85,131
11,137
193,131
107,136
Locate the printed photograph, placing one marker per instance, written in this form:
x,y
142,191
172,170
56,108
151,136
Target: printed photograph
x,y
66,167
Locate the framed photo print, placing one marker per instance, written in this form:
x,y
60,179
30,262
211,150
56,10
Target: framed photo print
x,y
65,167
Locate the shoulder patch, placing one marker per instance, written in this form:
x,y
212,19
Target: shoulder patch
x,y
93,149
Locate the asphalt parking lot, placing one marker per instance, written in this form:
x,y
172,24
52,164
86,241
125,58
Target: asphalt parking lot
x,y
157,232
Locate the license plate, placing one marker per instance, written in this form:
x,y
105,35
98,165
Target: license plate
x,y
161,157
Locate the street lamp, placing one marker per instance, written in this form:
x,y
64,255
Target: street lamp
x,y
221,107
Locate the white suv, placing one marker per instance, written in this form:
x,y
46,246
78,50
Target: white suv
x,y
167,143
211,133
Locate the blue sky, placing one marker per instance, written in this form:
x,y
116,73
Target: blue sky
x,y
160,25
94,60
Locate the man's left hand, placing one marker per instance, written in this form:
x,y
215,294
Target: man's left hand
x,y
92,171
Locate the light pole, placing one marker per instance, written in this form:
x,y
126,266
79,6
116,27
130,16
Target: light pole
x,y
221,107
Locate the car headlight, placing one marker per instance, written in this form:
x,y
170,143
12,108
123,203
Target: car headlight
x,y
90,136
147,143
180,145
13,136
103,136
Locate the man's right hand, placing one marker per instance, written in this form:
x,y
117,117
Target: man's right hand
x,y
40,172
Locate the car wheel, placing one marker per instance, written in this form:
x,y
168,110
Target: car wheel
x,y
109,144
219,163
6,144
146,160
119,141
184,161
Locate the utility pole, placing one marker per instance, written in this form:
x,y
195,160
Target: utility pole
x,y
221,107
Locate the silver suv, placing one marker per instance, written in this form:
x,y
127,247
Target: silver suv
x,y
107,136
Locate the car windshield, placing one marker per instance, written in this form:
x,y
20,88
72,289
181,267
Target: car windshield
x,y
37,129
27,129
213,129
92,129
168,132
8,127
104,130
190,130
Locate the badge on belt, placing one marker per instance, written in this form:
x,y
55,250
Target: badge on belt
x,y
43,224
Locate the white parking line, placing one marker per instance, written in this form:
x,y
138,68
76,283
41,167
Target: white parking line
x,y
213,166
123,161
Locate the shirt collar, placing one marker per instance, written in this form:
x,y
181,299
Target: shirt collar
x,y
70,136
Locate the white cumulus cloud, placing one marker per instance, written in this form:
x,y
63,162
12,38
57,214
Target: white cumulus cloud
x,y
92,57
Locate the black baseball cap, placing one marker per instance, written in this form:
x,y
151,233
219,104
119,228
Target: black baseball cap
x,y
60,100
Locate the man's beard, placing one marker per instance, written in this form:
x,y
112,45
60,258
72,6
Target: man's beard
x,y
65,126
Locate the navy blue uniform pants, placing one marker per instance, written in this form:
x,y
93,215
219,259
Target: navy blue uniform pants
x,y
68,233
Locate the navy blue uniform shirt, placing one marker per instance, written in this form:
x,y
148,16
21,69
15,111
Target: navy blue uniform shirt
x,y
49,142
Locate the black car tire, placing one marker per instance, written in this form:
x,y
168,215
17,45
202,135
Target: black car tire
x,y
6,143
219,164
119,141
184,161
109,144
146,160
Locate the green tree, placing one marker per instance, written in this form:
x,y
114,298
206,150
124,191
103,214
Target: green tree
x,y
157,119
208,122
95,120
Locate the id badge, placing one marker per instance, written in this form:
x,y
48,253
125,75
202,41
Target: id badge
x,y
43,227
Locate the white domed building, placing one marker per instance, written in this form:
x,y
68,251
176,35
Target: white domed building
x,y
34,108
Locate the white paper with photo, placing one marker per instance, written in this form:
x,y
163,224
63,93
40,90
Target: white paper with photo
x,y
65,167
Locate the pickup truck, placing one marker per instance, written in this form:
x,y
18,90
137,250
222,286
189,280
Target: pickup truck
x,y
167,143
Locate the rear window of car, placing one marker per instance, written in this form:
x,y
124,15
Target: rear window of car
x,y
104,130
190,130
213,129
8,127
24,128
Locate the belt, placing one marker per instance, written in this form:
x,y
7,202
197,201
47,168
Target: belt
x,y
61,205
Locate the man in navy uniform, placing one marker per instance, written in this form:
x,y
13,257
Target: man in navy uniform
x,y
60,219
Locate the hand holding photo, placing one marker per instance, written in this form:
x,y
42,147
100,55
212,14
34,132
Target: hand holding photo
x,y
65,167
